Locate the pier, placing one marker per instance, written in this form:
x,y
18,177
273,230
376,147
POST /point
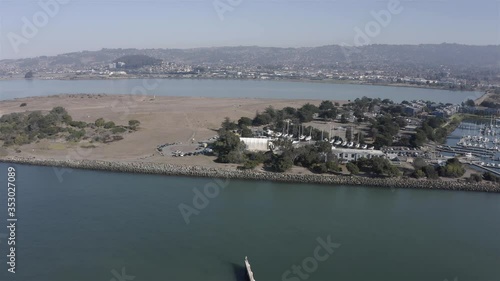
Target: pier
x,y
249,270
486,169
476,151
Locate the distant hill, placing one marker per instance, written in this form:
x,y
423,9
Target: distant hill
x,y
137,61
408,58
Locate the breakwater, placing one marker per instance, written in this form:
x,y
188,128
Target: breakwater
x,y
199,171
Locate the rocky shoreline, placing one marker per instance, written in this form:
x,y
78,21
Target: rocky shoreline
x,y
198,171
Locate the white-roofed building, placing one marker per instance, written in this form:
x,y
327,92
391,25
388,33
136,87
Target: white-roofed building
x,y
256,144
348,154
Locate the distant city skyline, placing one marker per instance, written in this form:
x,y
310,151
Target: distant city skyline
x,y
51,27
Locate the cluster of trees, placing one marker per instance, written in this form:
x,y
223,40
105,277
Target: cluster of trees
x,y
375,166
229,148
134,124
490,104
317,158
385,127
487,176
242,126
105,130
452,169
24,128
469,102
491,177
365,104
304,114
431,129
391,118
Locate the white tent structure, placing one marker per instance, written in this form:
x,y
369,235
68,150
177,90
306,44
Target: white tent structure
x,y
256,144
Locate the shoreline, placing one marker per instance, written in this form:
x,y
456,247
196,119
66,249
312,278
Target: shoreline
x,y
335,82
200,171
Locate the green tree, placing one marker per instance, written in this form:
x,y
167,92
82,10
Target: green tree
x,y
246,132
343,118
59,114
418,139
228,124
475,178
229,148
419,174
319,168
117,130
324,147
75,135
261,119
329,114
78,124
271,112
134,123
21,139
419,163
430,172
452,169
310,107
487,176
352,168
382,140
326,105
100,122
109,125
470,103
281,163
333,166
249,165
244,121
393,171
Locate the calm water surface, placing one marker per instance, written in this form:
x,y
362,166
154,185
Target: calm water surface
x,y
92,223
10,89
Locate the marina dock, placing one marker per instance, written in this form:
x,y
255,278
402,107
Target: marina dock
x,y
495,172
249,270
476,151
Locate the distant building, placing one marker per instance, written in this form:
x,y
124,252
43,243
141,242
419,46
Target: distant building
x,y
348,154
412,110
410,128
117,73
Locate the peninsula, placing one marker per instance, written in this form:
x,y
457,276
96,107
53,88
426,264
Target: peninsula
x,y
178,136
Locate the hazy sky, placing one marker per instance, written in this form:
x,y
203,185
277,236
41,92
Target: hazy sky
x,y
92,24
